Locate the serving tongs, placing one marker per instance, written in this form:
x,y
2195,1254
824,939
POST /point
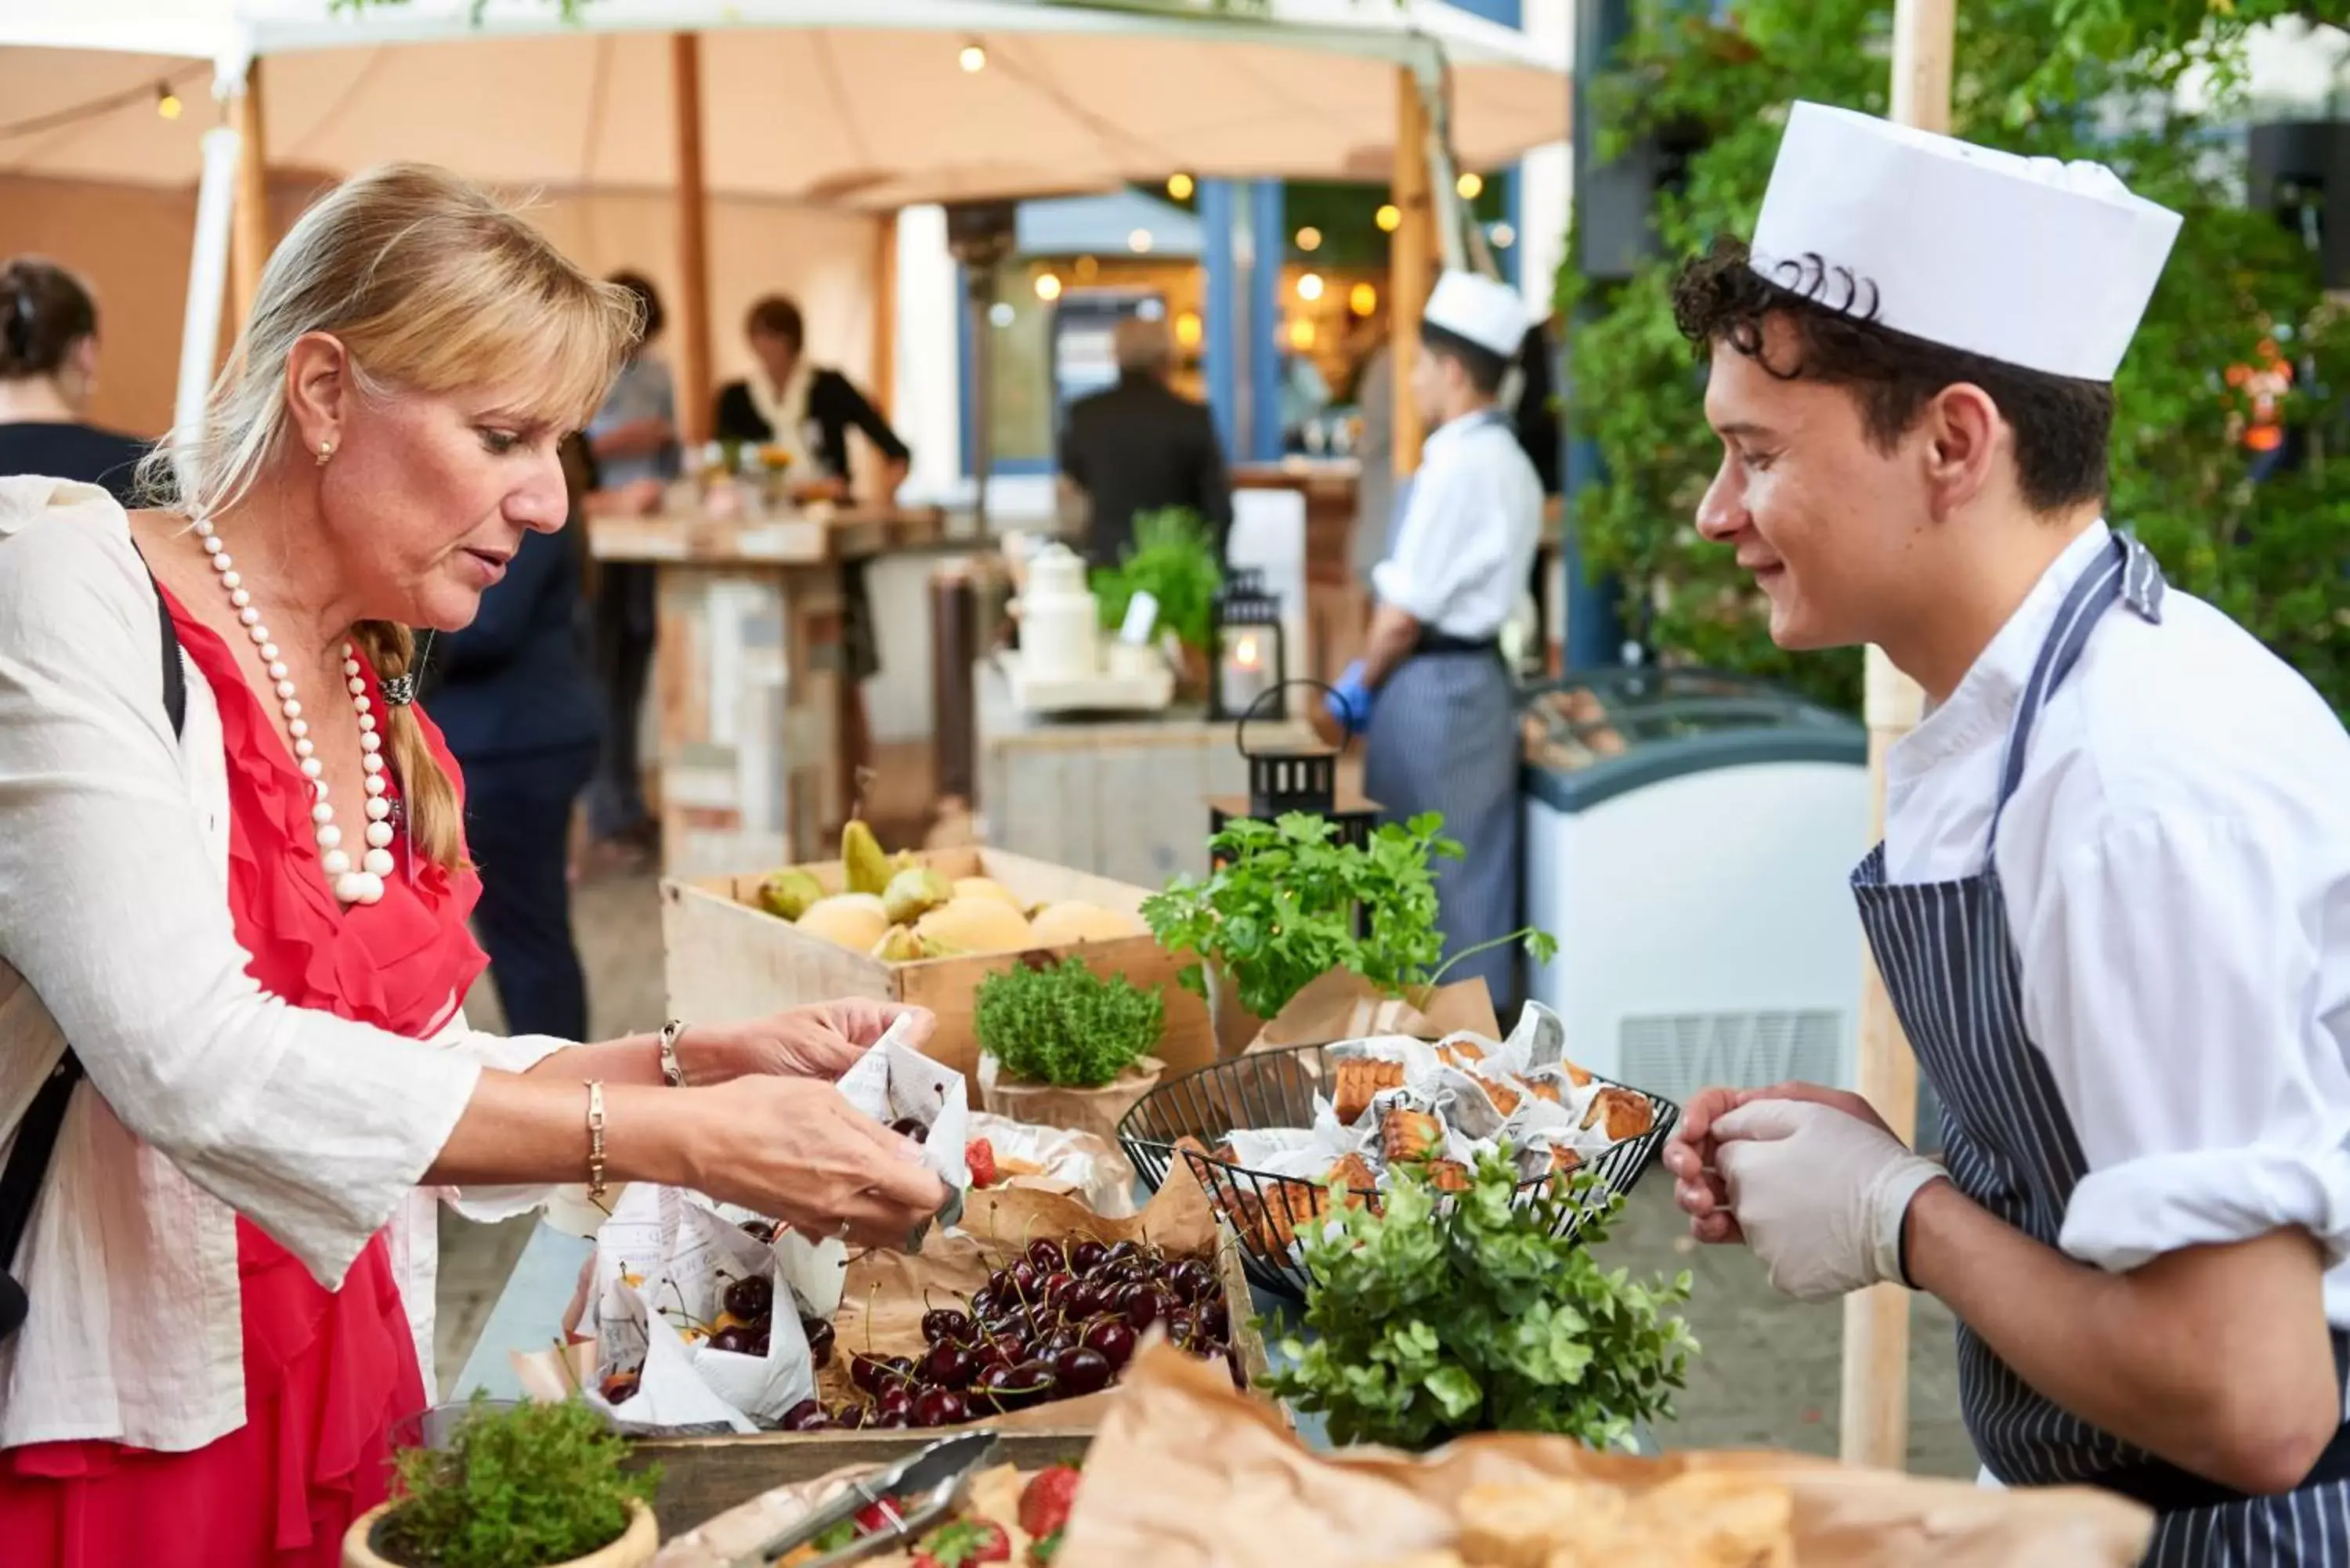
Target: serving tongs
x,y
927,1486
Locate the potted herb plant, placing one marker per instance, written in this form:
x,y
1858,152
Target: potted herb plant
x,y
1434,1321
535,1485
1279,912
1066,1047
1174,559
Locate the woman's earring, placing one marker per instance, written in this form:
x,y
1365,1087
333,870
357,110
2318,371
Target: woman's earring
x,y
326,451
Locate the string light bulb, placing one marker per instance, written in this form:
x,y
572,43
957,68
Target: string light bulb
x,y
1309,238
1471,186
974,58
1181,186
1502,236
1301,335
167,102
1309,286
1138,242
1362,299
1048,287
1189,329
1389,217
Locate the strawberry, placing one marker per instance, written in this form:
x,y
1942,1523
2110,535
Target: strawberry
x,y
980,1155
964,1544
1045,1501
878,1516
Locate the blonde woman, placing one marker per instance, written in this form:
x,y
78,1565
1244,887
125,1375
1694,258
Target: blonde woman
x,y
252,930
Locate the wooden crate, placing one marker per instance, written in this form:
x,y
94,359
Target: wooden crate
x,y
703,1477
727,959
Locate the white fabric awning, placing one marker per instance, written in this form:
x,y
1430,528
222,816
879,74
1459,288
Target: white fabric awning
x,y
862,103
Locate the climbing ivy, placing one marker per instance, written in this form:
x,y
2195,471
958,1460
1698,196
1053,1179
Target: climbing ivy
x,y
2053,78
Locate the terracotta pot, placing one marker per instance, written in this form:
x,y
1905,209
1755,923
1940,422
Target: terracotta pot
x,y
634,1548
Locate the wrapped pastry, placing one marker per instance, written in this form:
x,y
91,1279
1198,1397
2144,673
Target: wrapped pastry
x,y
1449,1175
1620,1113
1408,1135
1361,1079
1361,1182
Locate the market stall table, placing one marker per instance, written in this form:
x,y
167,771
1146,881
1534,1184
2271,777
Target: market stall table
x,y
747,673
1123,795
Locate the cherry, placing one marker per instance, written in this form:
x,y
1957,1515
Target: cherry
x,y
819,1338
870,1372
992,1354
950,1365
1013,1345
944,1324
1138,1304
751,1298
1026,1279
939,1408
1055,1342
1056,1288
808,1416
1213,1319
986,1302
1119,1251
1047,1256
897,1401
852,1418
907,1127
1084,1298
1087,1256
1113,1339
762,1230
1182,1328
734,1339
892,1421
1194,1278
761,1343
1038,1381
1082,1371
997,1389
1233,1360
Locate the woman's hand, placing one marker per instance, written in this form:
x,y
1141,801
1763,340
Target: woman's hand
x,y
822,1040
791,1148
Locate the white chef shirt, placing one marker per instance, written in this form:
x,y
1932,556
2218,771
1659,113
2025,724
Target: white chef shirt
x,y
1465,553
2175,863
213,1099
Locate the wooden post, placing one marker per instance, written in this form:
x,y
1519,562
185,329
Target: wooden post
x,y
1875,1405
249,238
694,387
884,379
1410,265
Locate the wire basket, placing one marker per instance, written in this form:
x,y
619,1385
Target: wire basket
x,y
1266,1090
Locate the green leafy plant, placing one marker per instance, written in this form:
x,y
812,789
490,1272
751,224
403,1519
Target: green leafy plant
x,y
528,1487
1435,1321
2064,79
1174,560
1064,1025
1279,912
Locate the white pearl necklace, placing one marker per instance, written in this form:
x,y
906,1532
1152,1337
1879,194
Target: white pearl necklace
x,y
362,884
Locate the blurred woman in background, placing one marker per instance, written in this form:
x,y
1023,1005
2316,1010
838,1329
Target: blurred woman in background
x,y
49,371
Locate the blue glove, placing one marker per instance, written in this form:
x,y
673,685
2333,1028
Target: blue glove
x,y
1350,703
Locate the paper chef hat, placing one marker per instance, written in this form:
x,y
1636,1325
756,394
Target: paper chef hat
x,y
1473,308
2027,261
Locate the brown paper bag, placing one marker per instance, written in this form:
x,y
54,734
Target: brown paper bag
x,y
1343,1005
1233,1023
1187,1473
1097,1111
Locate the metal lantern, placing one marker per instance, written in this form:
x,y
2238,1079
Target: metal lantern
x,y
1250,661
1292,778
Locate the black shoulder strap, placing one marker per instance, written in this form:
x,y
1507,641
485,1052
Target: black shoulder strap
x,y
37,1134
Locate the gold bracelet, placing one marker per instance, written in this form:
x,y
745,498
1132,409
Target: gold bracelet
x,y
595,1138
672,1070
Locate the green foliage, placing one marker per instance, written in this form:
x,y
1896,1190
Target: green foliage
x,y
1065,1024
1431,1323
1173,558
525,1488
2087,79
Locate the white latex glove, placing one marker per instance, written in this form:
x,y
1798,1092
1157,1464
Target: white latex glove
x,y
1820,1194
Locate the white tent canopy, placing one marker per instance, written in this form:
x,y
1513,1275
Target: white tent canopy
x,y
863,103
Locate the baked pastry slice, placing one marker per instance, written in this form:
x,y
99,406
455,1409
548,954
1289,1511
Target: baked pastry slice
x,y
1361,1079
1406,1135
1362,1183
1449,1175
1621,1112
1523,1526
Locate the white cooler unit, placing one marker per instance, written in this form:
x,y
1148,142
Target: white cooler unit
x,y
1688,836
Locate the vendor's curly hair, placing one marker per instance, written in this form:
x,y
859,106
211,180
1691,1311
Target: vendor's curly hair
x,y
2063,426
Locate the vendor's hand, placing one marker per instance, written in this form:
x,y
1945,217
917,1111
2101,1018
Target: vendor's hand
x,y
793,1148
822,1040
1819,1193
1690,1155
1350,702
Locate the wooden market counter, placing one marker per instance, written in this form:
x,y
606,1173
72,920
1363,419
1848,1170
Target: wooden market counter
x,y
1123,796
747,663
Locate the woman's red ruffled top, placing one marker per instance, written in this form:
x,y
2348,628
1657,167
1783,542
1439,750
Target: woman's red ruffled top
x,y
327,1372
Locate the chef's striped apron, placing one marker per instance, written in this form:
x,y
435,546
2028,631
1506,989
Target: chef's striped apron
x,y
1951,972
1444,737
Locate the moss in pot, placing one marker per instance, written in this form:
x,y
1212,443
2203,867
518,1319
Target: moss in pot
x,y
535,1485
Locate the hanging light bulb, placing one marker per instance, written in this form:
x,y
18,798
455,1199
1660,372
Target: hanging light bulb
x,y
1389,217
1181,186
1301,335
1086,268
1309,286
1471,186
974,58
1309,238
167,102
1048,287
1188,329
1362,299
1502,236
1138,242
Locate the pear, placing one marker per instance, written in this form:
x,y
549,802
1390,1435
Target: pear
x,y
861,856
899,945
913,893
789,894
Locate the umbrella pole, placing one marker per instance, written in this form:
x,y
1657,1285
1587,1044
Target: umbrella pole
x,y
1411,272
884,378
250,242
1875,1406
693,383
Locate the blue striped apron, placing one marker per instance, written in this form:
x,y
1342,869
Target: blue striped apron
x,y
1444,738
1951,972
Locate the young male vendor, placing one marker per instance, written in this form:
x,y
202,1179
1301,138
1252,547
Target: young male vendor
x,y
1430,691
2112,904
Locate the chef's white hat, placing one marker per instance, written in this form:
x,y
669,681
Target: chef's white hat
x,y
2027,261
1488,315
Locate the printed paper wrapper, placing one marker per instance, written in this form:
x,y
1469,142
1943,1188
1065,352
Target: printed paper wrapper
x,y
1076,1165
671,1397
1097,1111
893,1081
1343,1005
1185,1472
